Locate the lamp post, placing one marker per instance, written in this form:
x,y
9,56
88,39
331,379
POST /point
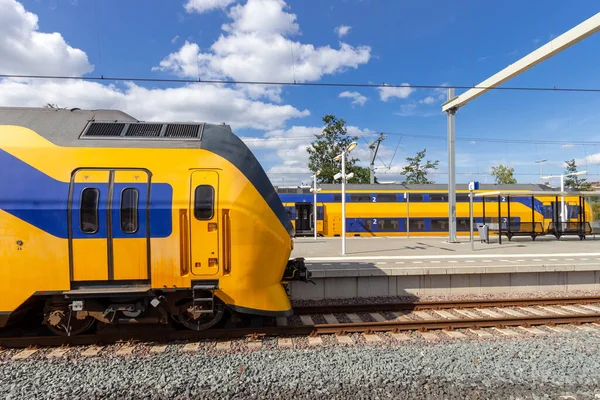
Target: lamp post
x,y
315,190
541,162
343,175
562,189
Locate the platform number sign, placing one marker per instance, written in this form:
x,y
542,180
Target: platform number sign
x,y
473,186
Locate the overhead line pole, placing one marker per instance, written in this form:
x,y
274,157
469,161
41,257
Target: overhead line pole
x,y
451,106
451,173
374,148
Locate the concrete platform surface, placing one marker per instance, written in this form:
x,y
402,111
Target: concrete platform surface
x,y
392,266
416,256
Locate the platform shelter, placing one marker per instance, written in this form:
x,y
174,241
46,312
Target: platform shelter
x,y
558,214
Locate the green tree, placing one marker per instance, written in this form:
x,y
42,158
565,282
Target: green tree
x,y
503,174
416,171
575,182
328,144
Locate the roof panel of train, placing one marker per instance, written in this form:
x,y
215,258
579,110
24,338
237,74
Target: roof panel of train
x,y
92,128
116,129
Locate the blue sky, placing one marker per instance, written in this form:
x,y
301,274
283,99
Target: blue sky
x,y
339,41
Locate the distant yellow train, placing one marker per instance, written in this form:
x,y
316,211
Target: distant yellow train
x,y
106,218
422,210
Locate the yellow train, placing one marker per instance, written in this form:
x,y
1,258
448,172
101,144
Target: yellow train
x,y
422,210
106,218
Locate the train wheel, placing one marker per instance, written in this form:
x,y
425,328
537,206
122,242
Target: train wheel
x,y
60,322
191,317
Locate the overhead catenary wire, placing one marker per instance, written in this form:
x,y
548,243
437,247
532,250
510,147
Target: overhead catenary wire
x,y
288,83
442,138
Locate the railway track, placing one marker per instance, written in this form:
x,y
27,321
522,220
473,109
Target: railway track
x,y
368,319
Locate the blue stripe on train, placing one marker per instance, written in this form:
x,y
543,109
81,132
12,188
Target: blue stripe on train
x,y
329,198
41,201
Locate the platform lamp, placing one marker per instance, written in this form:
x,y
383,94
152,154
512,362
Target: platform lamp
x,y
562,189
343,176
315,190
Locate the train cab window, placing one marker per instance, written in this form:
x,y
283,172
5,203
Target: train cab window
x,y
364,197
88,210
204,200
129,210
387,197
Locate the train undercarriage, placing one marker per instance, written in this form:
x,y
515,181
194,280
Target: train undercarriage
x,y
195,309
75,312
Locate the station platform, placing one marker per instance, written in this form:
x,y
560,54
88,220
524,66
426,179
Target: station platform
x,y
398,266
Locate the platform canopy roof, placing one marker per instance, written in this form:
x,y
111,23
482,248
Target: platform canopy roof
x,y
513,193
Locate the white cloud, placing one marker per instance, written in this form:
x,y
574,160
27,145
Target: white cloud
x,y
428,100
286,149
202,6
438,95
567,146
342,30
26,51
407,110
175,39
254,48
402,91
357,98
195,102
261,16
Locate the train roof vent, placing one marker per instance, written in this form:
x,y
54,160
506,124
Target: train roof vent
x,y
104,129
183,131
144,130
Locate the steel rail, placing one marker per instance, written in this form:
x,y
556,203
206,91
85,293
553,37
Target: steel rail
x,y
304,330
450,324
445,304
112,335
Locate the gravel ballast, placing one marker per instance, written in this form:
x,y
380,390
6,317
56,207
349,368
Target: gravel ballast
x,y
533,368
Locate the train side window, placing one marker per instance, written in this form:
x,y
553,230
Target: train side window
x,y
417,197
462,197
204,200
88,210
438,224
387,197
438,197
129,210
416,225
463,224
337,197
360,197
387,224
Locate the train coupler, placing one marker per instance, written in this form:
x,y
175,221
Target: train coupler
x,y
296,270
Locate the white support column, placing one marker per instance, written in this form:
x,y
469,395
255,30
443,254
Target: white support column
x,y
451,173
315,204
344,202
562,201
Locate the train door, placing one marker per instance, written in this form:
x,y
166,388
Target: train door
x,y
88,214
130,225
204,235
109,232
303,217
